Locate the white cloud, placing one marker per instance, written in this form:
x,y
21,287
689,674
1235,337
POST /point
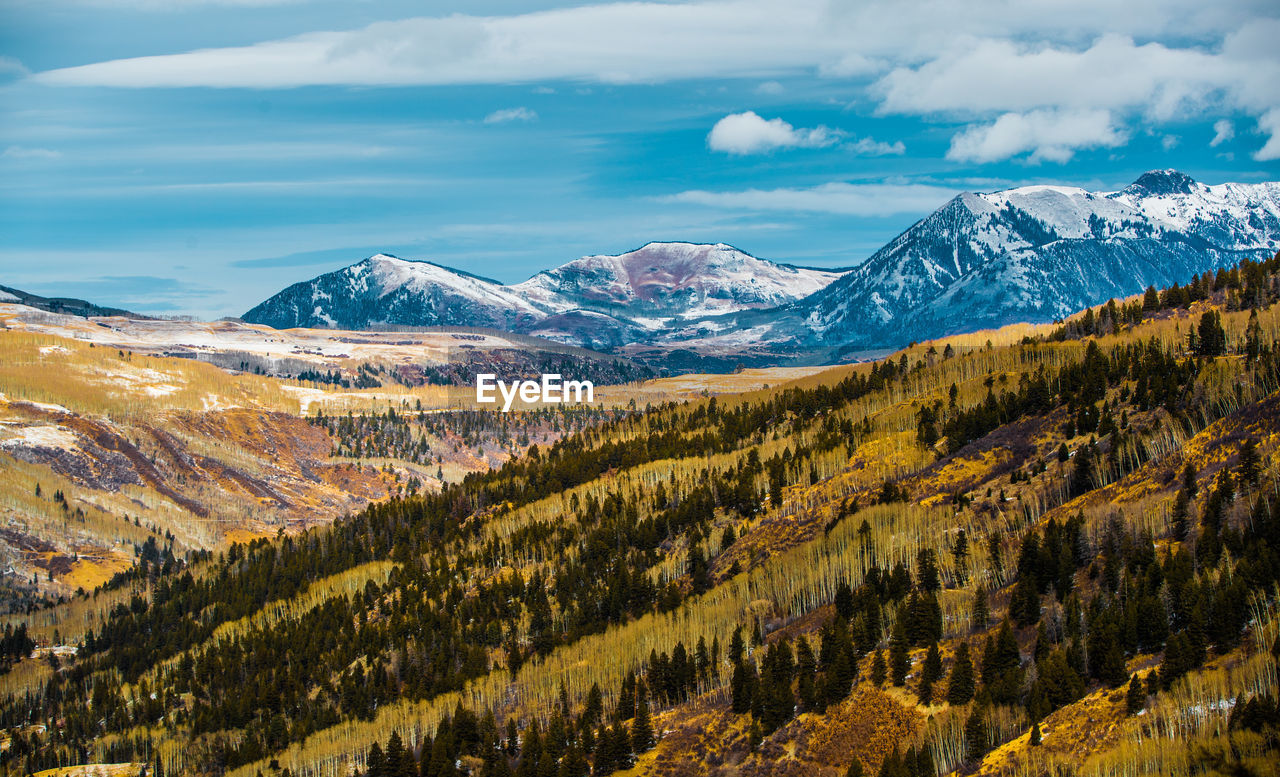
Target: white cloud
x,y
1270,124
1048,135
621,42
1157,59
510,114
1114,73
25,152
770,87
873,147
1223,130
748,133
1170,142
866,199
626,42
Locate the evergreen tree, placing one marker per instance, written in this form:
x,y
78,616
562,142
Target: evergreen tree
x,y
960,686
878,669
975,734
641,726
1250,465
1212,337
960,550
1137,696
981,609
742,686
898,662
376,762
927,570
626,708
806,675
574,763
1082,471
930,672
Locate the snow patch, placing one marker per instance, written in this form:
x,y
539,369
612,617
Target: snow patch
x,y
41,437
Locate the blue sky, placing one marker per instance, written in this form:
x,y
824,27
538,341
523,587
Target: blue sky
x,y
195,156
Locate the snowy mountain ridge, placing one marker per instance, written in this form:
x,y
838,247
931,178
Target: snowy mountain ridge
x,y
982,260
597,300
1036,253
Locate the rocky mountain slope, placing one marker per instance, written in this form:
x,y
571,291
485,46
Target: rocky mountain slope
x,y
1034,253
596,301
1037,253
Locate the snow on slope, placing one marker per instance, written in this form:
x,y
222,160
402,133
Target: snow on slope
x,y
598,301
663,280
1036,253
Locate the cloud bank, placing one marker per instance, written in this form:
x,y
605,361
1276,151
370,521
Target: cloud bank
x,y
1000,67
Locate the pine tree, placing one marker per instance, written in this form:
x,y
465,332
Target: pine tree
x,y
574,763
960,686
1035,733
960,550
930,671
927,570
878,669
975,734
376,762
641,726
981,609
1250,466
742,685
898,663
1137,697
1212,337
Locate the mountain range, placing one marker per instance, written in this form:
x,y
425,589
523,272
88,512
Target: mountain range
x,y
1033,253
595,301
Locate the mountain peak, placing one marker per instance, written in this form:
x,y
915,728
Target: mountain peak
x,y
1156,182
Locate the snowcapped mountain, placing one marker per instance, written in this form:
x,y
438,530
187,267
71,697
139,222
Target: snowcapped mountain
x,y
597,301
665,280
385,289
1036,253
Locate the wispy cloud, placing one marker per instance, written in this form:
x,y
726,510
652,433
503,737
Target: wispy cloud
x,y
507,115
25,152
873,147
11,68
1160,60
862,199
749,133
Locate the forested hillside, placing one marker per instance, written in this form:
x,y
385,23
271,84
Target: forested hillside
x,y
1054,551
